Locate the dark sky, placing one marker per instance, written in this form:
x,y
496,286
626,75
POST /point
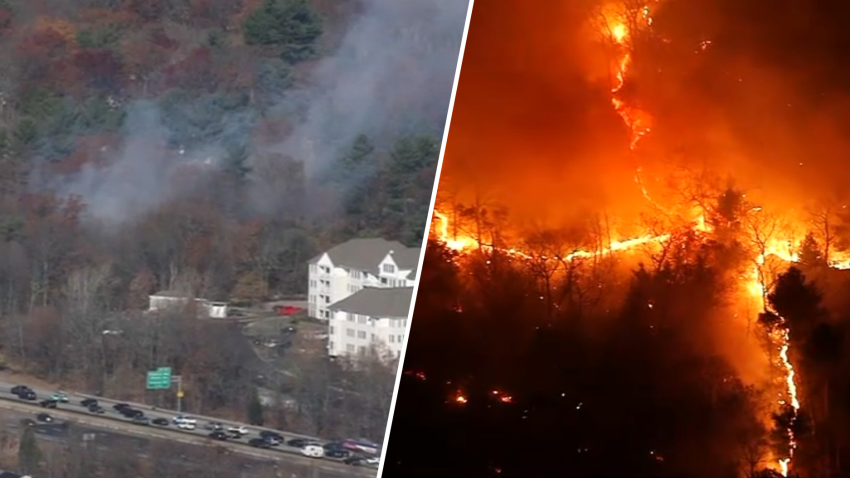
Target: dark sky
x,y
533,123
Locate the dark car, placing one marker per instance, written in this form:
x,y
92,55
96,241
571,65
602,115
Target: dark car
x,y
49,403
271,436
141,420
298,442
88,402
218,435
337,453
44,418
259,443
28,395
132,413
19,389
97,409
120,406
160,422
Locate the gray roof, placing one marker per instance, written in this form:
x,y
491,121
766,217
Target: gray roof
x,y
393,302
365,254
407,258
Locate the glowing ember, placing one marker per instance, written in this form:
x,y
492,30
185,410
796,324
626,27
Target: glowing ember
x,y
460,398
503,397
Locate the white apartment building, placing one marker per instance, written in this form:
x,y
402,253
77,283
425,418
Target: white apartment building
x,y
369,318
350,267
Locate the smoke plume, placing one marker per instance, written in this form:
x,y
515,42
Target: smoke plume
x,y
391,75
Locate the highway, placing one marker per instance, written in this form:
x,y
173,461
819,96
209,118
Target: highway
x,y
111,420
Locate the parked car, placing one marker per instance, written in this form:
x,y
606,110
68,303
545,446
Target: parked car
x,y
160,422
313,451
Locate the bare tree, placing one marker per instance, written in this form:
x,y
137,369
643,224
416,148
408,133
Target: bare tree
x,y
85,320
823,219
763,230
546,255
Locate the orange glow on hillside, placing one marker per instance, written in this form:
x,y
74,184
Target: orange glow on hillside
x,y
779,248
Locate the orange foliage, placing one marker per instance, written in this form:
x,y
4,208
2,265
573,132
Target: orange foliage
x,y
59,28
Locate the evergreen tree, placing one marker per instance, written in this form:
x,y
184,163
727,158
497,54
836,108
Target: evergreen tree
x,y
255,409
29,453
288,24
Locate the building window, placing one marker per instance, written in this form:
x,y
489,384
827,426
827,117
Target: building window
x,y
331,330
331,346
349,348
400,339
313,268
349,316
361,334
389,268
349,332
361,319
392,339
361,350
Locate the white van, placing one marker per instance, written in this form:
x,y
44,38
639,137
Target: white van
x,y
313,451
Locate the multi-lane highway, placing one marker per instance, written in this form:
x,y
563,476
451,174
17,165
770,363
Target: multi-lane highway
x,y
114,421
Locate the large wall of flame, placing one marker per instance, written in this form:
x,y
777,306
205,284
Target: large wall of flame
x,y
529,126
745,90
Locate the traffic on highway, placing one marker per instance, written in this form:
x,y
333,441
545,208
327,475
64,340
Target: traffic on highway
x,y
350,452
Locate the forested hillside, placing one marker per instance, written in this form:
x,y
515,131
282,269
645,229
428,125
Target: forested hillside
x,y
210,146
178,127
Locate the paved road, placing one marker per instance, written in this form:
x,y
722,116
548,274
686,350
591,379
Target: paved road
x,y
113,421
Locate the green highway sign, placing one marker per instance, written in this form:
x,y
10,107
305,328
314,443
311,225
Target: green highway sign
x,y
159,379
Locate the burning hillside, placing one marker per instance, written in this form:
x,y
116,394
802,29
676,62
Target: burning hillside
x,y
692,217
